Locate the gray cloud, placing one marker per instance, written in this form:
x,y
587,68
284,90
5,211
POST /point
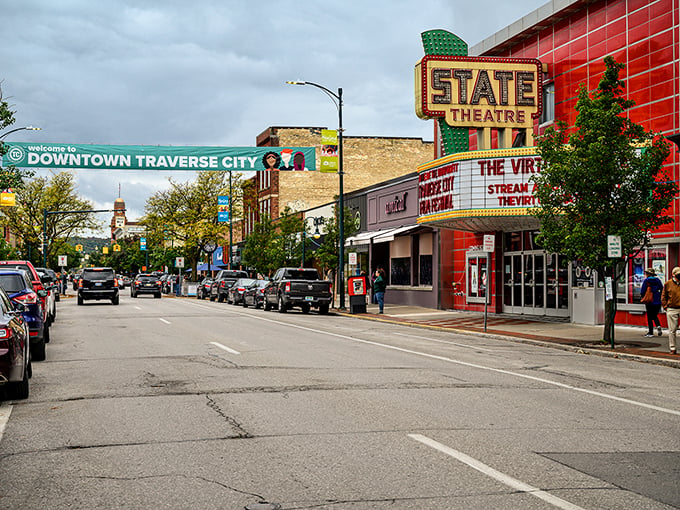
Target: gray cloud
x,y
214,72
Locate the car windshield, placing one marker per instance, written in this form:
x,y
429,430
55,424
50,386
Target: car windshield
x,y
147,278
97,273
302,274
12,283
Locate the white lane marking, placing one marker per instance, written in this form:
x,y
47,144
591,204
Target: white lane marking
x,y
445,342
163,320
5,411
464,363
511,482
217,344
138,308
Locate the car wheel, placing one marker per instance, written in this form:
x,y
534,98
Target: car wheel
x,y
266,306
157,296
323,309
305,307
115,300
38,351
245,305
46,334
80,300
19,390
212,298
282,306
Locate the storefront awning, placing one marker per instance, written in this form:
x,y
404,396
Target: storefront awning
x,y
378,236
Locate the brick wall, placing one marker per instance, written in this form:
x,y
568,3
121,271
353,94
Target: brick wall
x,y
367,161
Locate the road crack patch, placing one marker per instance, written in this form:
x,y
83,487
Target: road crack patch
x,y
238,428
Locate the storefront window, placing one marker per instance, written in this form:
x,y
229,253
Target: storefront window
x,y
425,270
401,271
628,290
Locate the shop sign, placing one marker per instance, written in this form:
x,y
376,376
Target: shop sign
x,y
479,92
396,205
152,157
490,183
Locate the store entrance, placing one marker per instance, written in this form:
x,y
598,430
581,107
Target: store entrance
x,y
534,282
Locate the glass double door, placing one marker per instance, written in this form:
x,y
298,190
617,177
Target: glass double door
x,y
535,283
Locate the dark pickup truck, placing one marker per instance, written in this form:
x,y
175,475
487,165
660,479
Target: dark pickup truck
x,y
300,287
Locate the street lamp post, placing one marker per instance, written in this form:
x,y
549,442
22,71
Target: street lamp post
x,y
30,128
337,100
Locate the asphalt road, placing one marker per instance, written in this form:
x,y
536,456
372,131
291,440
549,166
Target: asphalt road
x,y
180,403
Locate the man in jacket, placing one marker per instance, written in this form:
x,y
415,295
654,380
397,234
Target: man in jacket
x,y
670,300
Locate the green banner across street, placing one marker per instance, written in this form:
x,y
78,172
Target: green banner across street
x,y
156,157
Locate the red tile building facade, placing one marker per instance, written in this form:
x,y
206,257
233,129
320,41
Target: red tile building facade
x,y
571,43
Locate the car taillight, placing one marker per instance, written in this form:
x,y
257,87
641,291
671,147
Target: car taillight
x,y
159,283
241,289
115,282
30,298
223,284
80,283
287,286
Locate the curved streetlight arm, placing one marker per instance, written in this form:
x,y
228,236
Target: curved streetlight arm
x,y
336,98
29,128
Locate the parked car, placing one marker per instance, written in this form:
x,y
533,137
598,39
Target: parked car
x,y
27,266
51,285
52,281
15,357
203,288
235,292
254,294
146,283
98,283
224,279
17,284
301,287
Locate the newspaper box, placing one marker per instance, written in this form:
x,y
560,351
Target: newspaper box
x,y
357,288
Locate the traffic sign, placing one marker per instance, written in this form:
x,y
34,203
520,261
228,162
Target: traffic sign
x,y
179,262
489,243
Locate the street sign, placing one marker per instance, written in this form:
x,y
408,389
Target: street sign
x,y
63,260
179,262
142,243
489,243
614,248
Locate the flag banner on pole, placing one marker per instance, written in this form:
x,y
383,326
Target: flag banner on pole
x,y
223,209
329,150
158,157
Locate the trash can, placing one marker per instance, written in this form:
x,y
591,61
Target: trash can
x,y
357,288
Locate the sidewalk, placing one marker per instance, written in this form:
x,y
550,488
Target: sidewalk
x,y
630,342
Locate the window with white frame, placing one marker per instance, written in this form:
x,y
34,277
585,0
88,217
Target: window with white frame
x,y
476,276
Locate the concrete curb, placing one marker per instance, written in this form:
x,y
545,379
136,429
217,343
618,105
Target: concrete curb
x,y
660,359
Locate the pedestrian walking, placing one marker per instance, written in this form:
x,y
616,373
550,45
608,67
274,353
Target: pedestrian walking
x,y
178,290
379,286
670,300
64,282
654,285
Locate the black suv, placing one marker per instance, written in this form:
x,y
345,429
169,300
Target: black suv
x,y
223,280
146,283
98,283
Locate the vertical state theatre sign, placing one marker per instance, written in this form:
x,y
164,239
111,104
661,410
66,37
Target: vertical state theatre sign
x,y
479,191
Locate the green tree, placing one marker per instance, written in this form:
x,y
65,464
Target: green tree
x,y
57,193
261,247
328,254
187,213
603,177
10,176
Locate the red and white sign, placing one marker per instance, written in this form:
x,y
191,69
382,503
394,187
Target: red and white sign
x,y
478,184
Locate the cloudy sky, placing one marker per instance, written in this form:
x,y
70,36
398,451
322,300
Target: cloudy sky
x,y
213,72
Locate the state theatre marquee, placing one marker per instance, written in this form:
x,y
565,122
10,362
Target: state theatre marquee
x,y
479,191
